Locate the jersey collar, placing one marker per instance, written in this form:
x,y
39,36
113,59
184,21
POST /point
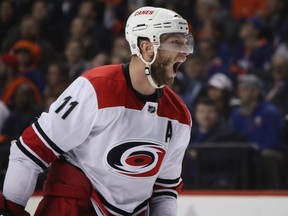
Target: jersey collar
x,y
144,98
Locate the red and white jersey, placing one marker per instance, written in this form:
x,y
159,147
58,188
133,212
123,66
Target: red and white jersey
x,y
129,146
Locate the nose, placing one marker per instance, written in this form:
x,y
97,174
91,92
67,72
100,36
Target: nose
x,y
186,49
183,55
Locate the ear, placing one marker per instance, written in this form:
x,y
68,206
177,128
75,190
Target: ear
x,y
146,49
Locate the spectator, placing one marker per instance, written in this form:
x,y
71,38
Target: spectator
x,y
213,64
193,69
28,55
40,11
209,125
214,30
253,52
277,20
114,16
41,14
260,122
30,30
89,10
209,11
219,90
62,15
7,18
8,70
278,93
74,57
282,48
24,110
7,98
57,80
79,31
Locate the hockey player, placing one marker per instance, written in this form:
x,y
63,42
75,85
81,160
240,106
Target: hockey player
x,y
115,139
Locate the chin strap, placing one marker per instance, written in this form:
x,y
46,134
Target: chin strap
x,y
148,69
149,77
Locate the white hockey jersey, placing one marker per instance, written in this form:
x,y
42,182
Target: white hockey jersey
x,y
130,146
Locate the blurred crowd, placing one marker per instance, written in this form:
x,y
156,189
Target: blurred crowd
x,y
235,84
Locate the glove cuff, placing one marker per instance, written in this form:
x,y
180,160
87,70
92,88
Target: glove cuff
x,y
13,208
2,201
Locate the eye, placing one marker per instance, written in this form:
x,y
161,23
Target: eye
x,y
175,42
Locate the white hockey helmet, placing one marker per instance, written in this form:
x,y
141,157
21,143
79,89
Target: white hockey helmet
x,y
152,22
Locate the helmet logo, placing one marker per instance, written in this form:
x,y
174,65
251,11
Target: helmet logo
x,y
144,12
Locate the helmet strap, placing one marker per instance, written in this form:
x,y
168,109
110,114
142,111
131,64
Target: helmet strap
x,y
148,69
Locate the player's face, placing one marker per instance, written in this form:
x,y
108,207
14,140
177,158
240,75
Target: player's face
x,y
171,54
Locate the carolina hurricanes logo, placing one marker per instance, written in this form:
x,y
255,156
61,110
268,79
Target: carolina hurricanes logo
x,y
136,159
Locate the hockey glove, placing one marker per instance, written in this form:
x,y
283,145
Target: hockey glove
x,y
8,208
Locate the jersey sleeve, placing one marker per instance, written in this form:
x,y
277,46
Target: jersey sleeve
x,y
67,124
70,119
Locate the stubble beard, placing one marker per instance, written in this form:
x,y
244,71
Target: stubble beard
x,y
158,70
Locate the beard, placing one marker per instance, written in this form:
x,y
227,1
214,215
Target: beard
x,y
159,70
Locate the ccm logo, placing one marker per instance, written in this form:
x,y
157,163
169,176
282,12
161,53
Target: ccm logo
x,y
144,12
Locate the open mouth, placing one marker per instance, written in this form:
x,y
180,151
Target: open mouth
x,y
176,66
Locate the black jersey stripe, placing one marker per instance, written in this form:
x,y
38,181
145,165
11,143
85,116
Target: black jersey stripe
x,y
30,155
48,140
141,206
113,208
164,193
168,181
120,211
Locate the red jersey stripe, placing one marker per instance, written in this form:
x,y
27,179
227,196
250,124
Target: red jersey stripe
x,y
31,139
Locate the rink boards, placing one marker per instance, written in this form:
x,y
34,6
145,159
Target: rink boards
x,y
221,203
